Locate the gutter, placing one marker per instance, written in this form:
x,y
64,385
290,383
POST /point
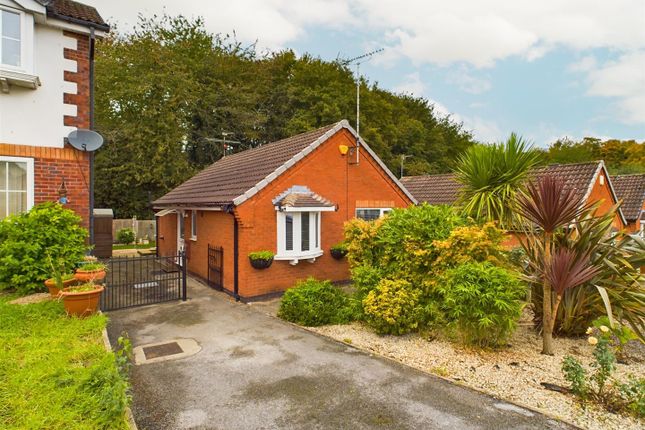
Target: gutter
x,y
230,209
91,25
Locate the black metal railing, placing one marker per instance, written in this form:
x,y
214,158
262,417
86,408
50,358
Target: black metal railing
x,y
139,281
216,267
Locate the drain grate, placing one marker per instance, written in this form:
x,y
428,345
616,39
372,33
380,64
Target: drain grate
x,y
162,350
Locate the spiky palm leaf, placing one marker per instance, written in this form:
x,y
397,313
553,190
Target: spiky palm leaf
x,y
492,175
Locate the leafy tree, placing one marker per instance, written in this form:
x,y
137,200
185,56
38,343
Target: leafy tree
x,y
621,156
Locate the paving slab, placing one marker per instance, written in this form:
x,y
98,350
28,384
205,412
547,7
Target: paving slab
x,y
255,371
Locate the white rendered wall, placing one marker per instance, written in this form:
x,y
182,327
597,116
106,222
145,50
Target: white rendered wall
x,y
35,117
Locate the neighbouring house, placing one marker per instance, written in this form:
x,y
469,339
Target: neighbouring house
x,y
631,190
290,197
590,181
46,55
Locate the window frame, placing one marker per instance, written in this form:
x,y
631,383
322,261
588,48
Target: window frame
x,y
30,180
382,212
22,67
193,225
296,254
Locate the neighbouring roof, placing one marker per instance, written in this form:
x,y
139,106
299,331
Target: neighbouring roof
x,y
236,178
434,189
301,197
445,189
75,12
631,190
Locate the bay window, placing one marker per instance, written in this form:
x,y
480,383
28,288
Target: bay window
x,y
16,185
298,235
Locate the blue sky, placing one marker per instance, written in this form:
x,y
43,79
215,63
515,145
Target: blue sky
x,y
543,69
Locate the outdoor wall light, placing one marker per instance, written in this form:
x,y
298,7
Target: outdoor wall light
x,y
343,149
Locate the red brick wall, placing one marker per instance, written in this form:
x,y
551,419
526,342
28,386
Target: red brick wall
x,y
167,235
82,80
603,193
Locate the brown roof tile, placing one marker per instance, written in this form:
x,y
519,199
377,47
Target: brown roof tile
x,y
434,189
232,176
444,189
301,197
631,190
76,11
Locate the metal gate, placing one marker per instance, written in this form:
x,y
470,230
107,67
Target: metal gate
x,y
216,267
139,281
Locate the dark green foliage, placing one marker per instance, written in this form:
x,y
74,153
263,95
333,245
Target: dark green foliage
x,y
483,302
125,236
365,279
621,156
314,303
166,89
55,372
576,375
31,240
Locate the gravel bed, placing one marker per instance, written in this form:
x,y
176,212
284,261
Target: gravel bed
x,y
513,374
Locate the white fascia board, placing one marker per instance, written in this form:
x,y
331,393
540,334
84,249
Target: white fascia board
x,y
31,6
307,209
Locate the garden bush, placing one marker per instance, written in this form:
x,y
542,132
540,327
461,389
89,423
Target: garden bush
x,y
483,302
125,236
365,279
393,307
314,303
28,240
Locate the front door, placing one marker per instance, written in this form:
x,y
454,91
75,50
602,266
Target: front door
x,y
180,234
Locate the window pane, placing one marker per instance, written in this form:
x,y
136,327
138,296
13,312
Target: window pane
x,y
3,204
18,176
17,203
10,52
3,176
193,224
11,25
368,214
304,231
289,232
315,221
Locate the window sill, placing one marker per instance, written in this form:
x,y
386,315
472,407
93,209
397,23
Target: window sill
x,y
193,238
19,79
295,259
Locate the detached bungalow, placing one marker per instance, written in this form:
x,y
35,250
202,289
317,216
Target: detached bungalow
x,y
590,181
631,190
289,197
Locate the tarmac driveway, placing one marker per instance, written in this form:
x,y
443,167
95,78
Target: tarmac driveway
x,y
257,372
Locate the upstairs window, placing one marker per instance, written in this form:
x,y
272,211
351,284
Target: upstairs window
x,y
10,39
370,214
16,185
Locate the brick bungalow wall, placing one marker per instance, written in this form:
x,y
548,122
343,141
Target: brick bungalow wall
x,y
327,173
52,166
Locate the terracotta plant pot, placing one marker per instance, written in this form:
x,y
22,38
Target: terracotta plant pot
x,y
261,264
53,289
338,254
81,303
85,276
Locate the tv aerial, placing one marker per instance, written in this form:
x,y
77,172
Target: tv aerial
x,y
85,140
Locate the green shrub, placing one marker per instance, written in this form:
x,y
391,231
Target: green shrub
x,y
633,393
314,303
261,255
365,279
27,239
483,302
393,307
125,236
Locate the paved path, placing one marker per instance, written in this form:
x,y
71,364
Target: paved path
x,y
257,372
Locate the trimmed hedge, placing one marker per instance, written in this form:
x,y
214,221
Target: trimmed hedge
x,y
314,303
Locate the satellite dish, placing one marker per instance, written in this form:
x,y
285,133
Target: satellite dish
x,y
85,140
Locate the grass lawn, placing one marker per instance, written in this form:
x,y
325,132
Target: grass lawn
x,y
149,245
55,372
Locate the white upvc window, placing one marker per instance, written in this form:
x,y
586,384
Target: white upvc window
x,y
11,38
16,185
193,225
370,214
298,236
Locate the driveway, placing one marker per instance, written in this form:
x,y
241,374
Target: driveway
x,y
257,372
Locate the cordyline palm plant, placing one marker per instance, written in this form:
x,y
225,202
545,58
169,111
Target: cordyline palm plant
x,y
549,206
492,175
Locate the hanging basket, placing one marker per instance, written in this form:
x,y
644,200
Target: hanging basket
x,y
261,263
338,254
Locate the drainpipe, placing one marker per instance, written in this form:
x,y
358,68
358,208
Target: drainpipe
x,y
236,294
91,154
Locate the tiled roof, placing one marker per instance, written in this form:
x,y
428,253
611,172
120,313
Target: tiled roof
x,y
234,175
300,196
631,190
434,189
76,11
444,189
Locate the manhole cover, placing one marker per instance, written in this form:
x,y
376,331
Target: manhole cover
x,y
162,350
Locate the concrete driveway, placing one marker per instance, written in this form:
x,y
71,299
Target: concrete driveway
x,y
257,372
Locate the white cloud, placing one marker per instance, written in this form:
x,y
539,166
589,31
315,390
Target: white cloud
x,y
623,79
411,85
484,130
469,83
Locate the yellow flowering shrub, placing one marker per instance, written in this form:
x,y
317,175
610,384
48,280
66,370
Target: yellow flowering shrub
x,y
360,237
393,307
